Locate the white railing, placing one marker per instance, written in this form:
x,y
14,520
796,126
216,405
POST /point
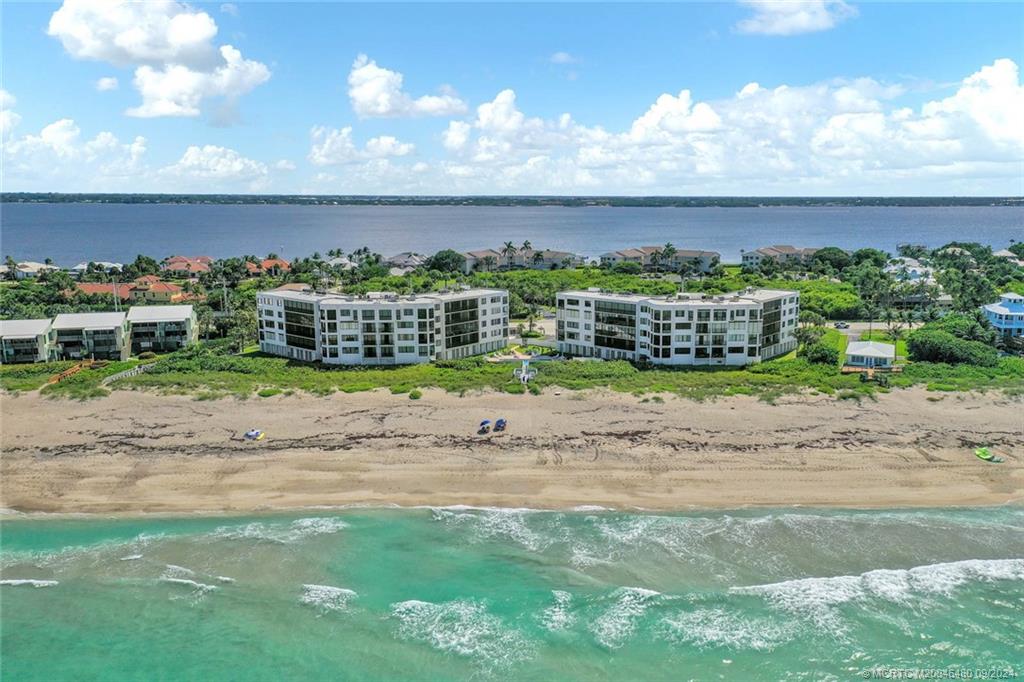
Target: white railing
x,y
138,369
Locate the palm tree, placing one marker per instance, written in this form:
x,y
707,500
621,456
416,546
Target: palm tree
x,y
508,251
669,252
489,263
532,313
538,257
527,245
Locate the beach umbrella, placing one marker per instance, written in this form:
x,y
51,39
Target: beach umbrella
x,y
485,422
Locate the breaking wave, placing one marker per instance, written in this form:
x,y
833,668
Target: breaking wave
x,y
462,628
281,533
27,582
326,597
616,625
818,599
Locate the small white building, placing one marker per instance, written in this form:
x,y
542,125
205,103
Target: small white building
x,y
870,354
782,254
27,341
407,260
1007,314
100,336
382,328
162,327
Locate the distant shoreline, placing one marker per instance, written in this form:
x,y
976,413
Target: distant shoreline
x,y
508,201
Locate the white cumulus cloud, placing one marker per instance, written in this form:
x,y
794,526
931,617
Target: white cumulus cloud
x,y
169,44
198,166
334,146
106,84
377,92
791,17
563,58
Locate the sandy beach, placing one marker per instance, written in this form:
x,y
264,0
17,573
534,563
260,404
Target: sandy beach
x,y
137,452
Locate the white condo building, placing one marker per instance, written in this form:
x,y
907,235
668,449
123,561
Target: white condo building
x,y
685,329
382,328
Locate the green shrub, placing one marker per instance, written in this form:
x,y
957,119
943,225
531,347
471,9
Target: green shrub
x,y
268,392
821,354
415,394
147,355
935,345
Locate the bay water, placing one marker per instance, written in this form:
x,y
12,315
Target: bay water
x,y
70,233
459,593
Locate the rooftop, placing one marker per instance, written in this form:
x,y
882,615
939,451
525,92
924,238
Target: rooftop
x,y
377,297
15,329
159,313
871,349
88,320
690,298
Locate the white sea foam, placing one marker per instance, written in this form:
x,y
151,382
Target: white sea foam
x,y
463,628
224,579
131,557
818,598
326,597
180,576
27,582
616,625
718,627
490,524
282,533
558,616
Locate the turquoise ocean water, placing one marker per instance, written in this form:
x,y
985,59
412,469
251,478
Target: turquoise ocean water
x,y
451,594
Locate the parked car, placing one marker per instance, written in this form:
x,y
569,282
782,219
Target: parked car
x,y
842,325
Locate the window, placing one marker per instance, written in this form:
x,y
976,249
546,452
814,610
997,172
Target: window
x,y
367,315
384,315
682,351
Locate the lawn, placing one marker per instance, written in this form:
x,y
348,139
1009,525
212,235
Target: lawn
x,y
883,337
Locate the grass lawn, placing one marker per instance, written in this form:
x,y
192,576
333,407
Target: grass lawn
x,y
837,340
883,337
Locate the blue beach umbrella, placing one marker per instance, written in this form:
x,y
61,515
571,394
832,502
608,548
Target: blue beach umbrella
x,y
485,422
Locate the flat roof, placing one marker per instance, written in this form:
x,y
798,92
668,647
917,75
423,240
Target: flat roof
x,y
695,298
159,313
88,320
16,329
379,297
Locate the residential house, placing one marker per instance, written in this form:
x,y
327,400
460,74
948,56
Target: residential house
x,y
30,269
122,290
870,354
27,341
1010,256
625,256
782,254
100,336
1006,315
187,268
544,259
275,267
343,262
162,327
158,292
407,260
106,266
910,270
382,328
685,329
479,260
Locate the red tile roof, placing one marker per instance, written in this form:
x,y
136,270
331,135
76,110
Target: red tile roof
x,y
271,263
124,291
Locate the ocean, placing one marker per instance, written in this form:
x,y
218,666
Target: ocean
x,y
72,233
457,594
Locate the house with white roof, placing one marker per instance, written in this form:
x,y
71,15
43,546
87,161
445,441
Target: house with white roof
x,y
870,354
162,327
1007,315
780,253
1010,256
30,269
27,341
100,336
107,266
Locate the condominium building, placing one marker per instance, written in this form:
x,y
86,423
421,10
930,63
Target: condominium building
x,y
685,329
27,341
162,327
782,254
99,336
655,257
1007,315
382,328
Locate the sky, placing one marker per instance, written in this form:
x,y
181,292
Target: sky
x,y
794,97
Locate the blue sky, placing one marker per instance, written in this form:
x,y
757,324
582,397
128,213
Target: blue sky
x,y
852,98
